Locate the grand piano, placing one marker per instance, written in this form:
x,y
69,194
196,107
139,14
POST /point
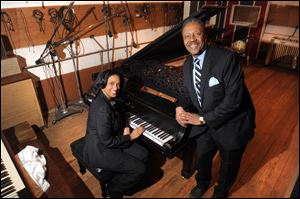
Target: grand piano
x,y
155,83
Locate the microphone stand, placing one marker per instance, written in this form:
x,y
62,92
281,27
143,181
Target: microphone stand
x,y
62,111
105,10
125,21
49,43
80,102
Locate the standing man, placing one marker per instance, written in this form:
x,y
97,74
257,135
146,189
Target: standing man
x,y
224,116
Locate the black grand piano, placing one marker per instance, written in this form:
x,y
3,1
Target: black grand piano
x,y
154,84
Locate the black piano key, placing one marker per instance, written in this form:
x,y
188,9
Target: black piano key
x,y
139,121
136,119
161,135
164,137
5,182
151,128
133,119
144,124
2,167
7,191
157,132
162,132
148,127
4,174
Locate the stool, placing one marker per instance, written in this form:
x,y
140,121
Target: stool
x,y
103,176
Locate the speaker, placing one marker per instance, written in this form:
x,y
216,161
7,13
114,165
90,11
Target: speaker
x,y
6,47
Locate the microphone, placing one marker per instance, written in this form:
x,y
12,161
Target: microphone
x,y
60,43
39,61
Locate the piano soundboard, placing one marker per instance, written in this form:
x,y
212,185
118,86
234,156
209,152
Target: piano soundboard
x,y
11,182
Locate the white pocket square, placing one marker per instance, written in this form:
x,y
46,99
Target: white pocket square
x,y
213,81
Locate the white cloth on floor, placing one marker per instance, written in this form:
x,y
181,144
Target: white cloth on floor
x,y
35,165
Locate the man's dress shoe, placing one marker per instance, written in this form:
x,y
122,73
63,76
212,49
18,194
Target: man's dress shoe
x,y
198,191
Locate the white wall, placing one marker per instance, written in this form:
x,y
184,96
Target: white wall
x,y
87,45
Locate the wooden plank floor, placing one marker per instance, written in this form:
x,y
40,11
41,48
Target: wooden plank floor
x,y
271,162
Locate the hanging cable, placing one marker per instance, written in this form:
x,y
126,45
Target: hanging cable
x,y
27,32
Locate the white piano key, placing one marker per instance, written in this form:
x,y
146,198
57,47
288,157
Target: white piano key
x,y
160,138
16,181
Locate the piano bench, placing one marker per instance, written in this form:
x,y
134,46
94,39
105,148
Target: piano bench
x,y
103,176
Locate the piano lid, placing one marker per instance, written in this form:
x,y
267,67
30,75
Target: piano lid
x,y
170,44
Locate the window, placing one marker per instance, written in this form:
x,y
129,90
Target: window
x,y
283,15
245,15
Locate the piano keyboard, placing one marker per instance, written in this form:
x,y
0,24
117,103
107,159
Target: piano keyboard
x,y
152,132
11,182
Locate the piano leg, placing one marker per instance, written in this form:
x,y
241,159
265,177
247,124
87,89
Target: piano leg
x,y
187,160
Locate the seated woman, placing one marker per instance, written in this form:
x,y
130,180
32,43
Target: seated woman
x,y
109,143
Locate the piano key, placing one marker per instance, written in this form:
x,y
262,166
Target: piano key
x,y
157,131
2,166
146,134
13,195
8,191
151,131
12,182
164,137
152,128
5,182
4,174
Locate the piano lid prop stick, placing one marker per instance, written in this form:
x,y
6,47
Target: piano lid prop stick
x,y
158,93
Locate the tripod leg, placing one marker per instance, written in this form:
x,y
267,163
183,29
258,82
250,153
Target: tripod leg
x,y
80,102
62,110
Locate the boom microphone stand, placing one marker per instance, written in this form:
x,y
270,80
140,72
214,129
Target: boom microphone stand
x,y
62,110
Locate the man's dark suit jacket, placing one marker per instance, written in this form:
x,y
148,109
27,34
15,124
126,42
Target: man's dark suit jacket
x,y
104,136
227,107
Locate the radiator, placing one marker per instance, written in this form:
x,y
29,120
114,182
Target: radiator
x,y
283,52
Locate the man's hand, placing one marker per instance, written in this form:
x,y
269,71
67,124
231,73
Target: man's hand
x,y
192,118
184,118
179,116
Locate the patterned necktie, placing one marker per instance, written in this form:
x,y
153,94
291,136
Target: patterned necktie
x,y
197,81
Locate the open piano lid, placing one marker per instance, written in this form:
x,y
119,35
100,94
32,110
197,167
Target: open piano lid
x,y
170,45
